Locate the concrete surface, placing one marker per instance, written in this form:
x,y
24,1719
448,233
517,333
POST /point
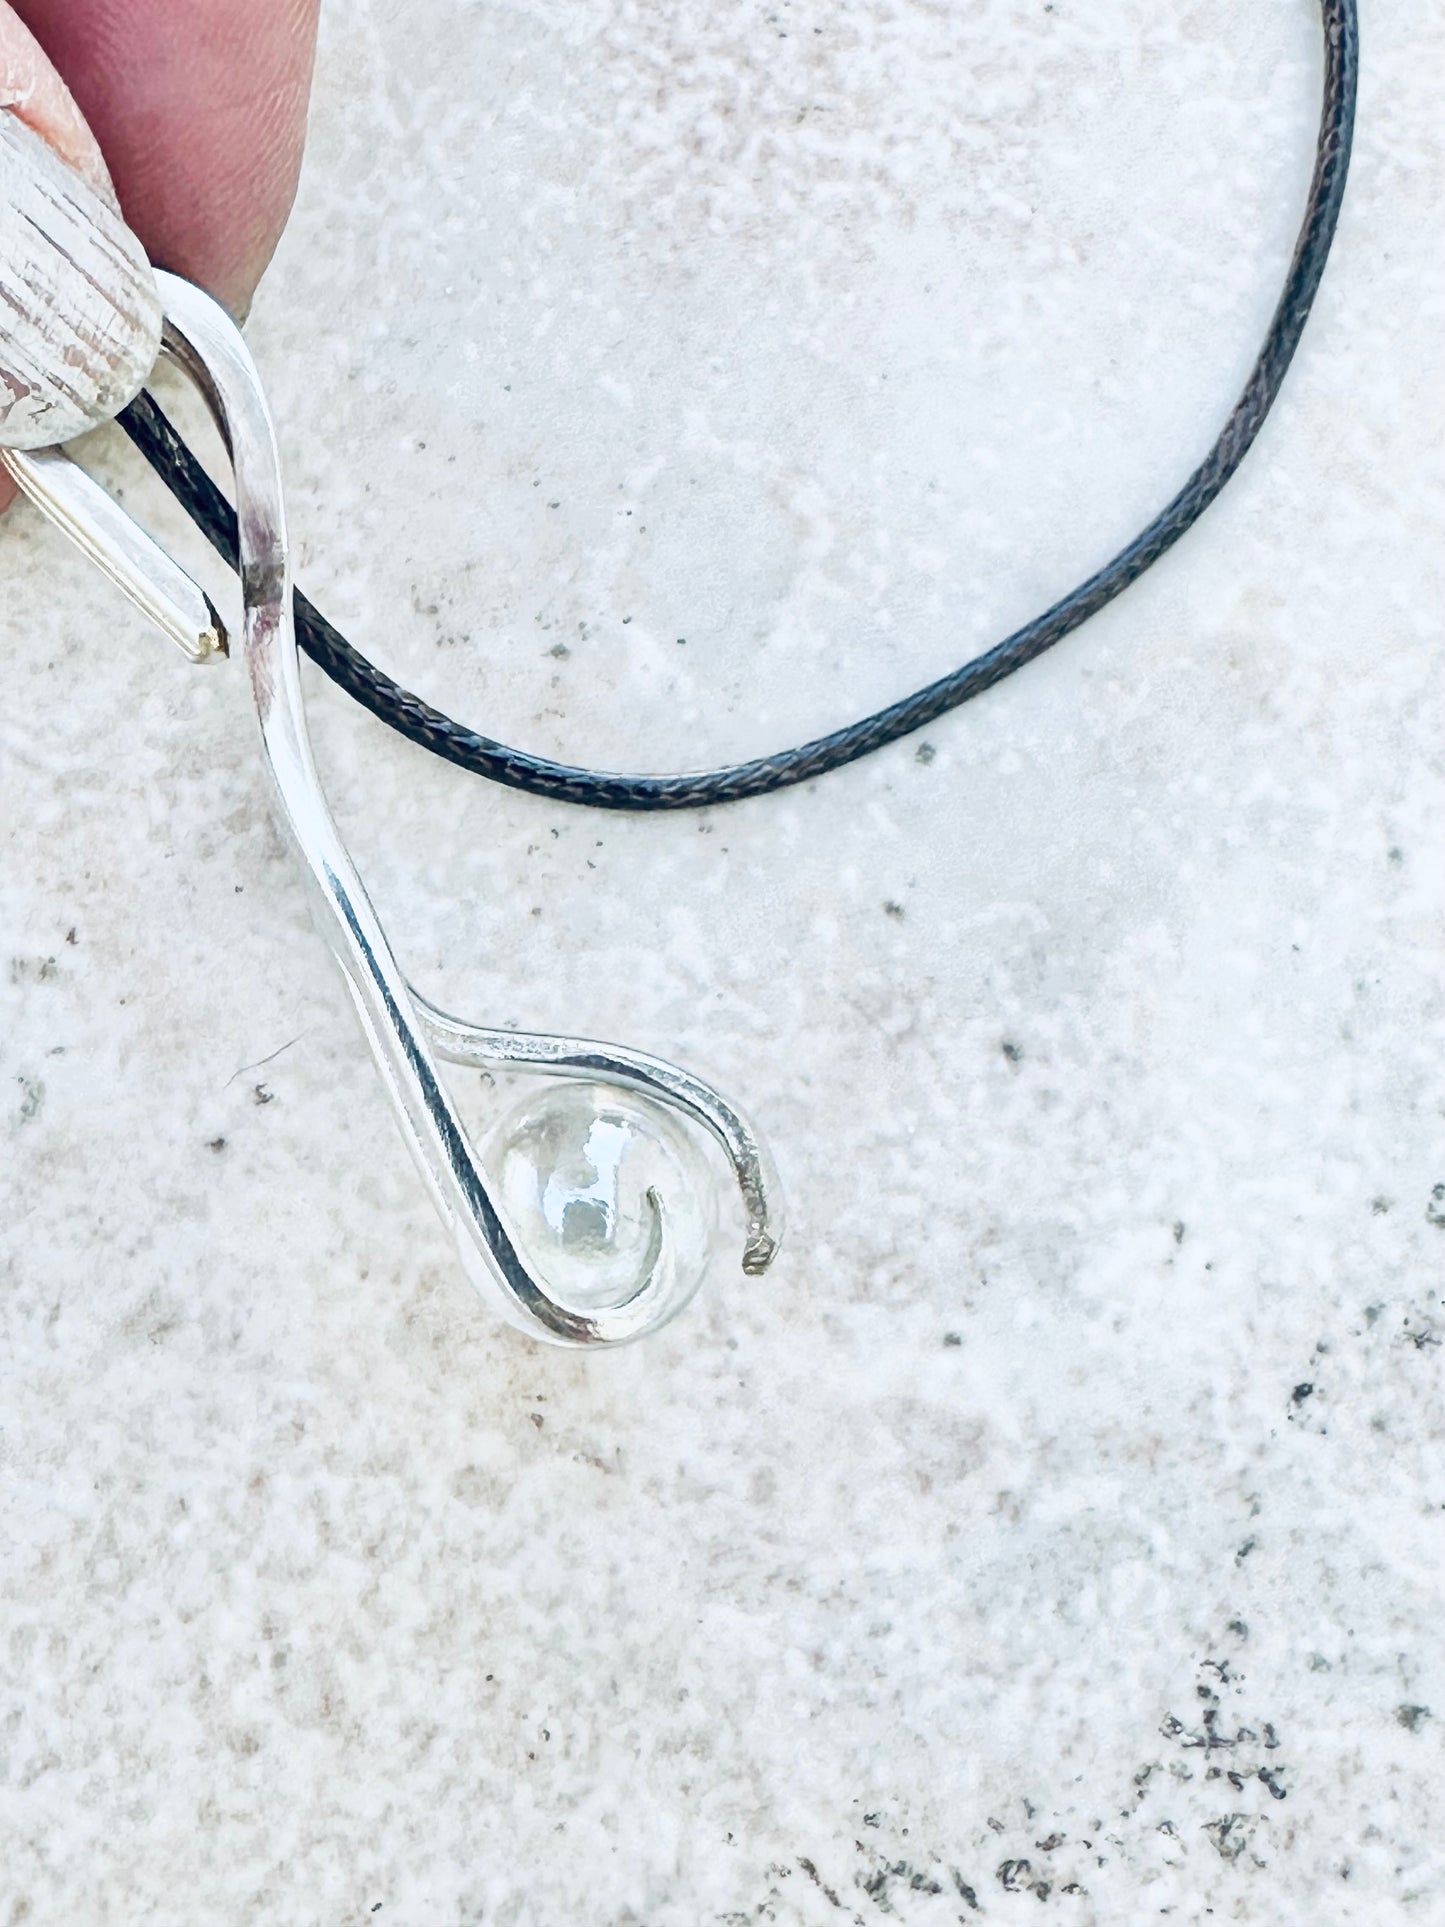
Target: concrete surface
x,y
1057,1534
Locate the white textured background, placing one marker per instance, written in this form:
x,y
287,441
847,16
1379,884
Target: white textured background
x,y
1095,1410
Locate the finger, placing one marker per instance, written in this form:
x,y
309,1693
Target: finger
x,y
200,109
33,91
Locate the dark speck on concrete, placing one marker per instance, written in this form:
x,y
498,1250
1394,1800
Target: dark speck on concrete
x,y
817,1879
966,1893
1412,1717
1230,1834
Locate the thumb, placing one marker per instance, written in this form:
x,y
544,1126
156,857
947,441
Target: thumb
x,y
200,107
34,92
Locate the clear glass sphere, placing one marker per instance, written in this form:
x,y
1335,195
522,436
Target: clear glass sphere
x,y
573,1166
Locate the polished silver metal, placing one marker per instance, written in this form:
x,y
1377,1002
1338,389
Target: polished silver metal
x,y
632,1070
79,507
405,1031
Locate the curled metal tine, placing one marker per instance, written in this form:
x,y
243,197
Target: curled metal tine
x,y
634,1070
403,1029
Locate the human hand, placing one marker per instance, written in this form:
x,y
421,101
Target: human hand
x,y
190,113
198,107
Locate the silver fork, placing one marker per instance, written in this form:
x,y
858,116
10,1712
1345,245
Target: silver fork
x,y
408,1034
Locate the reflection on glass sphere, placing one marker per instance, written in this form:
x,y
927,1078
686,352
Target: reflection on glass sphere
x,y
573,1167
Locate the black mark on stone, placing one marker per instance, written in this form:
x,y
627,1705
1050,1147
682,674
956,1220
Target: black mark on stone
x,y
917,1882
827,1892
1230,1834
33,970
966,1892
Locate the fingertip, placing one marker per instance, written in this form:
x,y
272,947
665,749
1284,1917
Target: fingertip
x,y
201,112
34,92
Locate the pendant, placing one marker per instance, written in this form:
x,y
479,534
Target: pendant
x,y
593,1218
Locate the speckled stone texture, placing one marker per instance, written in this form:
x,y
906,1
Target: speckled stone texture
x,y
1056,1535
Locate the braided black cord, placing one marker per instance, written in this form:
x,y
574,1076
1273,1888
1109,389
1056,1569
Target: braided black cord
x,y
148,428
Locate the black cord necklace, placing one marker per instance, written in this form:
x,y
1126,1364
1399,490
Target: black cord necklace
x,y
178,468
545,1276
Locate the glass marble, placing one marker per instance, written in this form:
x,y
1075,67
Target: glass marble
x,y
573,1167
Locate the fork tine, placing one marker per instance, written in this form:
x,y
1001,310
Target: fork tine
x,y
159,587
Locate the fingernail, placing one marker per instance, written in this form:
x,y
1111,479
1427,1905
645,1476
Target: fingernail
x,y
80,315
